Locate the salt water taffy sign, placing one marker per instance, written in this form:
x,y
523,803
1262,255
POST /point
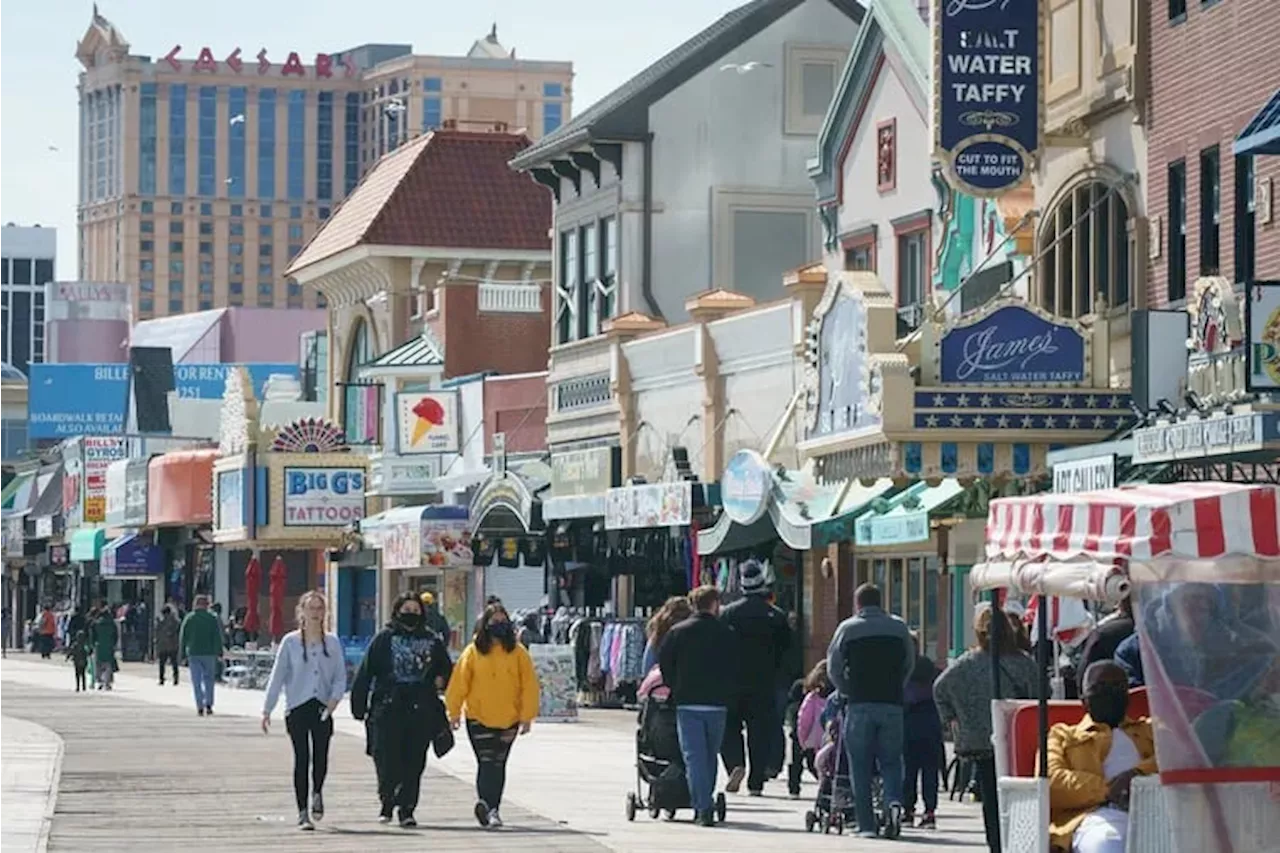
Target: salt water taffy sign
x,y
988,100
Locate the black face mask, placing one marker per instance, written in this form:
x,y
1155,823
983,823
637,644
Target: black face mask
x,y
501,631
1107,703
410,621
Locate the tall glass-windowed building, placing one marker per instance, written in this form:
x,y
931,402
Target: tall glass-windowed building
x,y
201,176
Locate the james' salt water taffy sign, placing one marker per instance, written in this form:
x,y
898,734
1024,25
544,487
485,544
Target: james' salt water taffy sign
x,y
1013,345
987,92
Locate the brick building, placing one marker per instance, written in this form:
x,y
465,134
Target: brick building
x,y
1213,67
441,260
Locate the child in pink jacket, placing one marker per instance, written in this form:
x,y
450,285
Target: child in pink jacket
x,y
808,736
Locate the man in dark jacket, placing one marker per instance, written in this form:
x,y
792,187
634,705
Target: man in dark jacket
x,y
870,659
697,661
763,639
1106,638
434,619
167,630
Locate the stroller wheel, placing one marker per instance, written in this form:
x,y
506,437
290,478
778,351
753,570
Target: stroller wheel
x,y
810,821
631,806
722,807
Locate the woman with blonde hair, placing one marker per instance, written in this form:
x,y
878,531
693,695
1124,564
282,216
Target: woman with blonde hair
x,y
675,610
312,672
963,694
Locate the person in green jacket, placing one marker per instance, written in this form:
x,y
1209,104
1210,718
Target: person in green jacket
x,y
200,642
104,635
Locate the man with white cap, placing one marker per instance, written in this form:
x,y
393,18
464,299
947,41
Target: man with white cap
x,y
764,636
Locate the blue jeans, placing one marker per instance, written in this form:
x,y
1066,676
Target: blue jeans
x,y
701,730
873,738
203,669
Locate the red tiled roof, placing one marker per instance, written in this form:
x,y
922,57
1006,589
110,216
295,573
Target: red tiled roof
x,y
447,189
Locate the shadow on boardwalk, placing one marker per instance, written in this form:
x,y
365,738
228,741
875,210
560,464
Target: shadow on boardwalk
x,y
140,777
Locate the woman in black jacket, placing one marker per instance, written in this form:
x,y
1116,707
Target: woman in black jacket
x,y
396,693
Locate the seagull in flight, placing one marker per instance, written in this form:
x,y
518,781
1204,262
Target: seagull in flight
x,y
395,105
745,67
53,148
238,118
229,181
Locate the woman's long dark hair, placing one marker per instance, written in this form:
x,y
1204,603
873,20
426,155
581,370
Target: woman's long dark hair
x,y
483,640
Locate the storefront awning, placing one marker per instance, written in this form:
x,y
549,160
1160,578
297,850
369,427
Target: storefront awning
x,y
16,496
180,488
904,518
797,505
86,544
1262,134
433,535
131,555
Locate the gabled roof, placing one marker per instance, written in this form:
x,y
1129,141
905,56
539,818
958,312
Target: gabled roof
x,y
891,26
624,113
447,189
422,351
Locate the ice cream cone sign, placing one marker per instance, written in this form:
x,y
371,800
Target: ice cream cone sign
x,y
429,413
428,422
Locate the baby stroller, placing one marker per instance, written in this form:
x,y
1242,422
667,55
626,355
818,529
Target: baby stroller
x,y
661,785
834,807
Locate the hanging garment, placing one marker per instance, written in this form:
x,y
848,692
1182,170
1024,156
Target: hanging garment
x,y
594,675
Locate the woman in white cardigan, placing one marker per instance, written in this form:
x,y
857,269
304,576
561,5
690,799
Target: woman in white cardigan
x,y
312,672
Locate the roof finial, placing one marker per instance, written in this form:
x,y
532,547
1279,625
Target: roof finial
x,y
493,33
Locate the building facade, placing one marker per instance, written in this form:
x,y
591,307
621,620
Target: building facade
x,y
202,177
26,267
1211,210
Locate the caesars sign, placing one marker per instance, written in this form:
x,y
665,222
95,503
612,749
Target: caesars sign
x,y
323,497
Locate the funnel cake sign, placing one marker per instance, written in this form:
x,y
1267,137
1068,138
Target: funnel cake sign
x,y
1013,345
427,422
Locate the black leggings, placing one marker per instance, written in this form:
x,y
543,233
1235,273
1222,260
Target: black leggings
x,y
985,769
491,746
310,737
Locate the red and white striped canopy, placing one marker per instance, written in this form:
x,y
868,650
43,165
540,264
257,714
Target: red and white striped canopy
x,y
1182,521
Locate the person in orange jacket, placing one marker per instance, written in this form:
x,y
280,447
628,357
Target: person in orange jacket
x,y
495,686
1092,763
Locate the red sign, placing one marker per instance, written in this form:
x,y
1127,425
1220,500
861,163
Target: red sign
x,y
324,63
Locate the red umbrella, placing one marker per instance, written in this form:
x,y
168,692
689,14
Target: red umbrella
x,y
252,589
276,591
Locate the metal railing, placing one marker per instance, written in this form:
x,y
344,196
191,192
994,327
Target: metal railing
x,y
501,298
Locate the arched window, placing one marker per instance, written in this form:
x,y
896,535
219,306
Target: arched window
x,y
1085,251
359,402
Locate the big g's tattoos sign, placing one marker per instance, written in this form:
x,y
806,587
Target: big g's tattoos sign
x,y
1013,345
987,92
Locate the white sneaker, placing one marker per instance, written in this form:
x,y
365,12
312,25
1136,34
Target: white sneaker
x,y
304,821
495,819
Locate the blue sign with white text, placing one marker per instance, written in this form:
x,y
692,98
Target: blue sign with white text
x,y
1012,346
988,90
67,400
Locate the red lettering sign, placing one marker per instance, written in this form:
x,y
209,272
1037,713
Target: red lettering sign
x,y
293,65
234,62
205,61
349,64
264,64
171,58
324,65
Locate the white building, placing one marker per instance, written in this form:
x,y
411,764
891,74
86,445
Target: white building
x,y
28,259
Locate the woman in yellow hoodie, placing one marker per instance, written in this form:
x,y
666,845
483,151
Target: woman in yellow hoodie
x,y
495,686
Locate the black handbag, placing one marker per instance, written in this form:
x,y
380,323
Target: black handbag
x,y
443,741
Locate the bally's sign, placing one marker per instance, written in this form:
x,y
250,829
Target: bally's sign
x,y
1013,345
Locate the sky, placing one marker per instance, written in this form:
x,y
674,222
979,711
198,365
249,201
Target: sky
x,y
38,68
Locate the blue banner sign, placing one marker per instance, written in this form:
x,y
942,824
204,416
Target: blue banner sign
x,y
1013,345
987,91
67,400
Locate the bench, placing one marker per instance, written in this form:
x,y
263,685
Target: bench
x,y
1024,798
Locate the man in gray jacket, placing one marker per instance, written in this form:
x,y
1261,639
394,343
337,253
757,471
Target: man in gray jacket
x,y
869,661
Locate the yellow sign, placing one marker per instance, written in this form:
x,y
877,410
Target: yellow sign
x,y
95,510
